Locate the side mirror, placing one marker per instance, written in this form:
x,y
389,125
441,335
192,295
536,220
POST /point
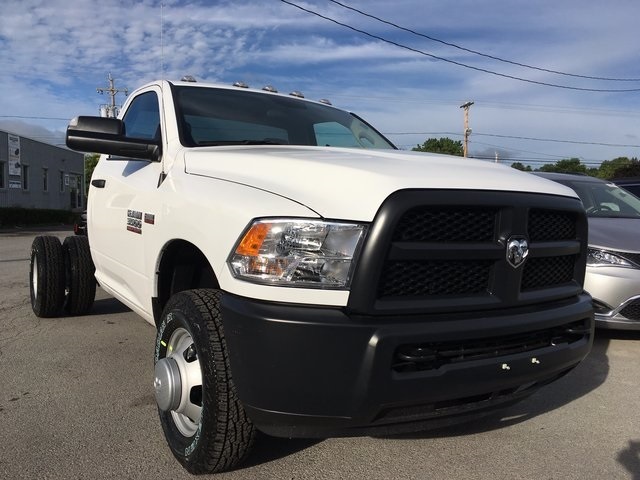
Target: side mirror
x,y
106,135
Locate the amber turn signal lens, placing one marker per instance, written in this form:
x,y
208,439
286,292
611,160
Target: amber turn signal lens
x,y
252,241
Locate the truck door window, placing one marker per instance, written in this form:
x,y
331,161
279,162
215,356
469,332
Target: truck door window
x,y
142,119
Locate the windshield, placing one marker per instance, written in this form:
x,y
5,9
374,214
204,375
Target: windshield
x,y
216,116
606,200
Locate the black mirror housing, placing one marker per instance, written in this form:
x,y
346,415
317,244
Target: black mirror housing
x,y
106,135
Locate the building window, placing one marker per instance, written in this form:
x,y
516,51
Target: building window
x,y
25,177
61,181
45,180
2,180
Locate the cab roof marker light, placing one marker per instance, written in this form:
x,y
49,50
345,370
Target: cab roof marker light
x,y
296,93
240,85
270,88
325,101
188,78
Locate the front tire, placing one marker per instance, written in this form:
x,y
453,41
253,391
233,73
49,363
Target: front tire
x,y
204,423
47,276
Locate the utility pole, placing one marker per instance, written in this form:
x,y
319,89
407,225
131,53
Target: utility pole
x,y
111,109
467,130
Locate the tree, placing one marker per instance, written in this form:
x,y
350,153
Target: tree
x,y
608,167
442,145
90,162
521,166
567,165
619,167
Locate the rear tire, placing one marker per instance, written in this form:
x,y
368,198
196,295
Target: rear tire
x,y
47,276
203,420
81,282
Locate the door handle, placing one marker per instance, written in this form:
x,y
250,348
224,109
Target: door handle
x,y
98,183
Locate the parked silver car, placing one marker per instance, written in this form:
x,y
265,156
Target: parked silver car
x,y
613,262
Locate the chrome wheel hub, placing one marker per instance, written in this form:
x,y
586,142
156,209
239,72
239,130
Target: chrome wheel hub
x,y
167,384
178,383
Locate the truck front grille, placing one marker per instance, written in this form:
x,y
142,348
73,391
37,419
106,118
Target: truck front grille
x,y
442,224
547,225
437,251
548,271
446,277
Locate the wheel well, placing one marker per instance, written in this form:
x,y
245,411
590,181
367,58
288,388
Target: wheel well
x,y
182,267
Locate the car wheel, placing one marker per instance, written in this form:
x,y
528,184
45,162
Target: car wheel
x,y
47,276
81,283
204,423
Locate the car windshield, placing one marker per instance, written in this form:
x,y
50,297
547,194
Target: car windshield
x,y
218,116
606,199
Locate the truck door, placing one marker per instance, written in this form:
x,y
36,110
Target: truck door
x,y
122,201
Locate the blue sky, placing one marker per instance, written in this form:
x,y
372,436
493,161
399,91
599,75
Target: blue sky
x,y
54,54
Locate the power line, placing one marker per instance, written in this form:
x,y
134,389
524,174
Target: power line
x,y
460,64
475,52
34,118
518,137
575,142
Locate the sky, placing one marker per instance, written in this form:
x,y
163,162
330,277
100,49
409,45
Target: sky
x,y
550,79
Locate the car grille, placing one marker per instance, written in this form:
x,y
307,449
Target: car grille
x,y
548,271
435,278
441,224
547,225
631,310
447,251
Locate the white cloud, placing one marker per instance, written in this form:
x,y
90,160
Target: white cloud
x,y
54,54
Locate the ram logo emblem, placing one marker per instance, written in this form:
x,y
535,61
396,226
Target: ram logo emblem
x,y
517,251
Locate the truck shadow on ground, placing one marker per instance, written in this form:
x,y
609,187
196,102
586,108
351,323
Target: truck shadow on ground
x,y
629,458
268,449
108,306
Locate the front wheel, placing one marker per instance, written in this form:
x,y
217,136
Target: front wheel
x,y
204,423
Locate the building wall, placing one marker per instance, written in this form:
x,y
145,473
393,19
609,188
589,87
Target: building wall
x,y
38,175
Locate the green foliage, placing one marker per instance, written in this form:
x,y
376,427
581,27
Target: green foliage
x,y
90,162
609,169
441,145
567,165
619,167
521,166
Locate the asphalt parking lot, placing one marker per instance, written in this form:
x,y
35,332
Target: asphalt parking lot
x,y
76,402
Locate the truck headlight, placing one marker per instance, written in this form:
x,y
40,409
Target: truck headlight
x,y
298,253
602,258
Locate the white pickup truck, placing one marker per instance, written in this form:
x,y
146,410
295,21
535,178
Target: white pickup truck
x,y
308,279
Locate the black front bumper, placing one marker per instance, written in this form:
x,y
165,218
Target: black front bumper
x,y
304,371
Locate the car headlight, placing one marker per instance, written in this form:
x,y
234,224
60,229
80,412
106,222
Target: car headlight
x,y
602,258
298,253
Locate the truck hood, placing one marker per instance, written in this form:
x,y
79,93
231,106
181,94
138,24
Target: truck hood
x,y
351,183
